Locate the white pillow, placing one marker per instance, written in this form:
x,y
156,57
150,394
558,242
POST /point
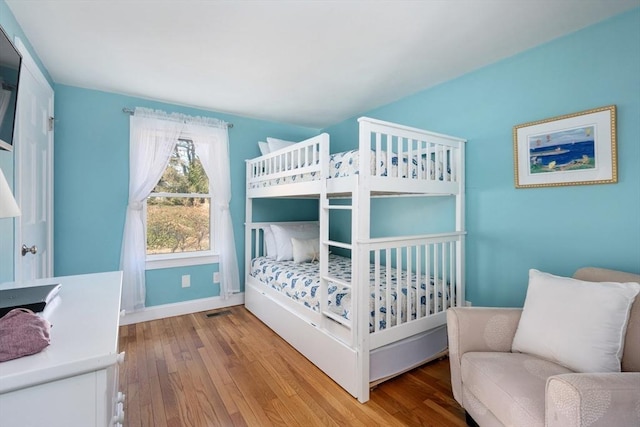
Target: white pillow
x,y
270,242
284,233
577,324
277,144
307,250
264,147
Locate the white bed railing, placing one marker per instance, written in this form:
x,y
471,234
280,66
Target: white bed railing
x,y
428,267
419,155
306,157
414,160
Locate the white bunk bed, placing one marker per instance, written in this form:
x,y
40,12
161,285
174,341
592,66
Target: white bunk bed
x,y
365,343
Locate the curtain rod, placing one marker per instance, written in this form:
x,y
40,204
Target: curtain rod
x,y
130,111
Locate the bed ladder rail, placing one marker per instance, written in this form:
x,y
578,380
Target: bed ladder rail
x,y
338,244
339,319
329,317
327,206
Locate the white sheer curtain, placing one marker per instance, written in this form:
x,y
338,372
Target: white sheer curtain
x,y
212,147
151,141
153,135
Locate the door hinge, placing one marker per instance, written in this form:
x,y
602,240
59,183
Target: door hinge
x,y
51,120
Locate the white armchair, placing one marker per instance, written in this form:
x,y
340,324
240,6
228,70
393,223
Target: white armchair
x,y
498,387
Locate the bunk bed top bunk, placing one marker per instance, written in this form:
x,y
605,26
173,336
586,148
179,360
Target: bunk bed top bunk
x,y
402,161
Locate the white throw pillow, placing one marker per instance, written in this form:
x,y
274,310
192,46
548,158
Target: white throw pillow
x,y
284,233
577,324
277,144
270,242
264,147
305,250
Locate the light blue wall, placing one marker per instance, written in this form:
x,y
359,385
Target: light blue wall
x,y
164,285
11,27
552,229
91,187
510,231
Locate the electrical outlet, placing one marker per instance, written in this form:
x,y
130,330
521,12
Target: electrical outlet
x,y
216,277
186,281
468,304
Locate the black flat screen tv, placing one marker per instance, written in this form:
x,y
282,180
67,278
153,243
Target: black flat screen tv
x,y
10,60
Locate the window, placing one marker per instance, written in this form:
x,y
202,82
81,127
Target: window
x,y
179,223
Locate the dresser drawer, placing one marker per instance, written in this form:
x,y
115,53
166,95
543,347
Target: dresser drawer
x,y
73,401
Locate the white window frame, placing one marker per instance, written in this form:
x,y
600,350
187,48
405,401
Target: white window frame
x,y
183,259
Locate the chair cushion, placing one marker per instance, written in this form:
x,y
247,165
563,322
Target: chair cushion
x,y
510,385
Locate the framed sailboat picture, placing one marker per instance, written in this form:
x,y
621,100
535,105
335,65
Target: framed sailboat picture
x,y
573,149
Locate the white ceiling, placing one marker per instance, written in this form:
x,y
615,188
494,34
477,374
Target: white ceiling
x,y
305,62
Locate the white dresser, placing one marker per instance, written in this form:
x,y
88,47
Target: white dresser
x,y
74,381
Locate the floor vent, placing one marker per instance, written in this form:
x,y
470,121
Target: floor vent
x,y
218,313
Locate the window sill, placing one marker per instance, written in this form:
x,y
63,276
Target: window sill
x,y
179,260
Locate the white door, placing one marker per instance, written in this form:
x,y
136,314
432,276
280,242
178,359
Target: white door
x,y
33,146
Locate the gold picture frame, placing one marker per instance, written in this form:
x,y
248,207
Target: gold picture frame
x,y
574,149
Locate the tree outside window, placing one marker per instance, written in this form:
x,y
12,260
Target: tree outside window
x,y
178,214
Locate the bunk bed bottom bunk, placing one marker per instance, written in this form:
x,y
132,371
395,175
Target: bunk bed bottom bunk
x,y
334,357
301,283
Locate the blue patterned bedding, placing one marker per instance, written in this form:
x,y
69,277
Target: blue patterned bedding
x,y
347,164
301,282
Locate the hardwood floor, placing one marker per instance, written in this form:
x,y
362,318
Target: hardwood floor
x,y
232,370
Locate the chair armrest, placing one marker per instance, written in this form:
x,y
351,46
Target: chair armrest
x,y
607,399
478,329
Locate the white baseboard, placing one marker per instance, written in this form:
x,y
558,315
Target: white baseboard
x,y
180,308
